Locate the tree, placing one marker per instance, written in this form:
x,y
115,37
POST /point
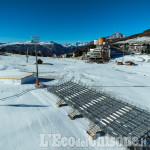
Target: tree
x,y
21,53
13,51
32,53
3,50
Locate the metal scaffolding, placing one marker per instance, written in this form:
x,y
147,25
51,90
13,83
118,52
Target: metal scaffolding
x,y
115,117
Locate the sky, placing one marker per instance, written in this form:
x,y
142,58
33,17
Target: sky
x,y
71,20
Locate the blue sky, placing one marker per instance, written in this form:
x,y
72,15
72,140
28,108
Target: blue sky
x,y
71,20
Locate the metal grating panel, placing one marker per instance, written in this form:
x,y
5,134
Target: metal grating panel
x,y
115,117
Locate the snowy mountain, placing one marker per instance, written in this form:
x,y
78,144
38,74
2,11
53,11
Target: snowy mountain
x,y
44,47
116,35
75,45
29,43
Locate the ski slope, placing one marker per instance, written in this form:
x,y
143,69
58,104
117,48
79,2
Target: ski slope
x,y
139,40
27,112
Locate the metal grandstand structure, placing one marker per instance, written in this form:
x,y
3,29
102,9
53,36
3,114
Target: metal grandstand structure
x,y
113,116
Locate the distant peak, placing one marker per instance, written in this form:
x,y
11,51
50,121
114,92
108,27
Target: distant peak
x,y
75,44
116,35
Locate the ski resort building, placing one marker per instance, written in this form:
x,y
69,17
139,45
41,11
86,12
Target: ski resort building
x,y
102,50
138,47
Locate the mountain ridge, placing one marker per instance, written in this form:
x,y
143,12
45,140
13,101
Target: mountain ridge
x,y
143,34
43,47
58,49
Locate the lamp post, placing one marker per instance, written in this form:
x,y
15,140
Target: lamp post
x,y
36,39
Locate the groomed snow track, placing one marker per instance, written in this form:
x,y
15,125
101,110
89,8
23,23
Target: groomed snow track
x,y
115,117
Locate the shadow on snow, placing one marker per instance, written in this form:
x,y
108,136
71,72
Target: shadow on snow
x,y
24,105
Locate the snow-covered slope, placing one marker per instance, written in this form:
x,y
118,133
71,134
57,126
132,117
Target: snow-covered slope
x,y
29,113
116,35
26,112
138,40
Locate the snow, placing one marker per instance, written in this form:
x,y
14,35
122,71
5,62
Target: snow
x,y
116,35
13,73
139,40
27,43
27,112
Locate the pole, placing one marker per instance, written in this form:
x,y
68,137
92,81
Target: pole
x,y
37,76
36,39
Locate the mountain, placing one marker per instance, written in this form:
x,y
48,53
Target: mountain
x,y
116,35
135,36
75,45
43,47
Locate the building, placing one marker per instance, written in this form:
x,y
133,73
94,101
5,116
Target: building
x,y
137,47
129,63
102,50
64,56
